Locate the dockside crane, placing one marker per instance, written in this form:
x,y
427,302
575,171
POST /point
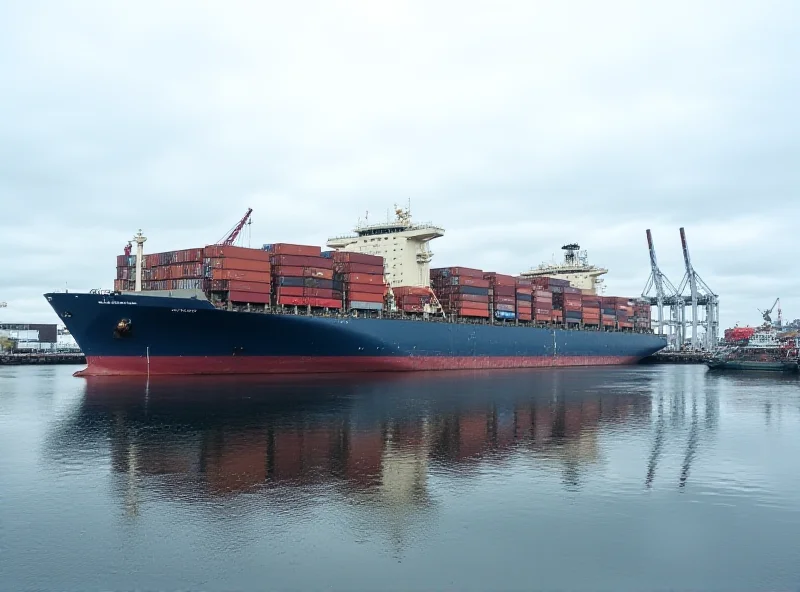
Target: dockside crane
x,y
233,233
665,291
699,295
767,314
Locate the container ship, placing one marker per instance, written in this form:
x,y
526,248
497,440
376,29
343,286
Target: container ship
x,y
370,303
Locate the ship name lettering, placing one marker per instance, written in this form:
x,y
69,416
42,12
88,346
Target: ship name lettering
x,y
183,310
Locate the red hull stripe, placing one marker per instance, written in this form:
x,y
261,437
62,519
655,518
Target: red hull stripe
x,y
137,366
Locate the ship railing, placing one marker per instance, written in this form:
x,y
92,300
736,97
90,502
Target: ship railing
x,y
431,318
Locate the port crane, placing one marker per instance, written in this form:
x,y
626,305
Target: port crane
x,y
767,314
233,233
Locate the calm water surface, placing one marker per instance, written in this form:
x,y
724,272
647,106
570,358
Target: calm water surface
x,y
573,479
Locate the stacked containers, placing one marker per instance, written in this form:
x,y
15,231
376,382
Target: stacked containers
x,y
461,291
524,298
609,316
301,276
171,270
411,299
624,307
502,295
548,299
641,315
126,273
569,300
360,276
238,274
591,306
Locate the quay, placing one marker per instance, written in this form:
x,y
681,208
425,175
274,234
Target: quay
x,y
677,357
41,359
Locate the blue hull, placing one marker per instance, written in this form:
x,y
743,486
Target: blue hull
x,y
167,335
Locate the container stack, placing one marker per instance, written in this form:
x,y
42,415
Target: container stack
x,y
461,291
238,274
524,296
609,316
361,278
624,307
126,273
301,276
568,300
502,295
641,315
411,299
591,307
543,307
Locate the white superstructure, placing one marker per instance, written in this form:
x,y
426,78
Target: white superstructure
x,y
404,247
575,268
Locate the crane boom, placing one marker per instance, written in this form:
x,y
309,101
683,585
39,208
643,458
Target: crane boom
x,y
229,238
692,277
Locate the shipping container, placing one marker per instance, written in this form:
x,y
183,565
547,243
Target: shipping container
x,y
238,264
212,251
504,315
472,312
245,276
364,305
451,271
289,249
304,301
362,278
250,297
352,257
359,268
499,279
504,307
301,261
290,271
364,296
542,318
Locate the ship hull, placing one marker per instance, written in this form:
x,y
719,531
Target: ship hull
x,y
753,366
168,335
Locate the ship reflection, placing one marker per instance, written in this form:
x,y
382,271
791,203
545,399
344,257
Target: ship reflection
x,y
373,441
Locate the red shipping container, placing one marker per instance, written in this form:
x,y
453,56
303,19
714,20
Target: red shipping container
x,y
305,301
359,268
504,299
248,297
457,271
245,276
239,286
412,308
524,306
504,291
371,288
404,290
464,298
239,264
302,261
363,278
351,257
524,316
473,312
290,271
499,279
289,249
290,291
236,252
364,297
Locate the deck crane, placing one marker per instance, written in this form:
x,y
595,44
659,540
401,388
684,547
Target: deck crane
x,y
230,237
767,314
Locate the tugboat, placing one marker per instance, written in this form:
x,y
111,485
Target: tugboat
x,y
765,351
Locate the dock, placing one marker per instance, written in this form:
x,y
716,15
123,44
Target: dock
x,y
678,357
41,359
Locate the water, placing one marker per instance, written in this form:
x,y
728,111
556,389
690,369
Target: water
x,y
571,479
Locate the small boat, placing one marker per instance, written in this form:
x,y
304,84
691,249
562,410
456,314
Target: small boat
x,y
765,351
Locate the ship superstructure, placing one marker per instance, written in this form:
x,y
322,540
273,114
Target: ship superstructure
x,y
575,268
405,247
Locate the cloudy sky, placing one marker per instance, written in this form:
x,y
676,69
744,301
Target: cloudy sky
x,y
517,126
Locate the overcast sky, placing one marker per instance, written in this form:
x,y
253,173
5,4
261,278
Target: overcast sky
x,y
517,126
